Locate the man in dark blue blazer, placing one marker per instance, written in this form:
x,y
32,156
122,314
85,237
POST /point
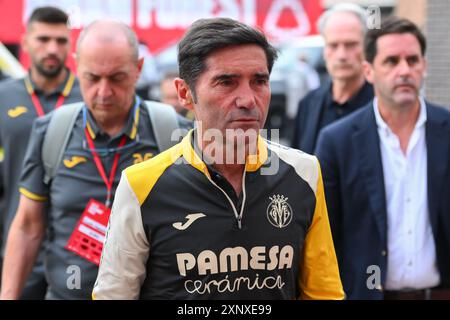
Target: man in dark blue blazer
x,y
386,170
343,28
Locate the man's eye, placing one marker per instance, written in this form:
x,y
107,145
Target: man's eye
x,y
62,41
332,46
92,78
351,45
118,78
226,82
262,81
43,39
392,61
413,60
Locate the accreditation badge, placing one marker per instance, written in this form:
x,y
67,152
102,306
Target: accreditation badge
x,y
89,234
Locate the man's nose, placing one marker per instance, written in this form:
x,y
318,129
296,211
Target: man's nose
x,y
245,97
403,67
341,52
52,47
104,89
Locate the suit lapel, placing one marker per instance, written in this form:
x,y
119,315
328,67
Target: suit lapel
x,y
367,146
437,159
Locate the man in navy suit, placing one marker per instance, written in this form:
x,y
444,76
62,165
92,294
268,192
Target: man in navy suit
x,y
343,28
386,171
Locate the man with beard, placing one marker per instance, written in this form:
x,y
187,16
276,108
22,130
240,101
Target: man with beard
x,y
343,28
47,86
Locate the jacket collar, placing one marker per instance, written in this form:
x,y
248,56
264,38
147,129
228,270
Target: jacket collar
x,y
130,128
366,144
194,158
437,130
63,89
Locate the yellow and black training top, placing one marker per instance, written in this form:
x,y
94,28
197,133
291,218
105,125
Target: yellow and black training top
x,y
178,231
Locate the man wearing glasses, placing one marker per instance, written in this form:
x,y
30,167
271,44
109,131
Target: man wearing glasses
x,y
112,131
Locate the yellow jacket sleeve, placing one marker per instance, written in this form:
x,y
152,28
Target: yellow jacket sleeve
x,y
319,271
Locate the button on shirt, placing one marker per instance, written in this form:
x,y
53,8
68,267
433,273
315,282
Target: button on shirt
x,y
411,247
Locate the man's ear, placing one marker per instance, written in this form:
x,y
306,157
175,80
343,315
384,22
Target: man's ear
x,y
184,93
140,64
425,69
368,71
23,42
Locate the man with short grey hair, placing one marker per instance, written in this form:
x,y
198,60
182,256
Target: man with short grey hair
x,y
343,28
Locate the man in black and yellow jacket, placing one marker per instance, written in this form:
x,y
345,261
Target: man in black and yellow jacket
x,y
224,214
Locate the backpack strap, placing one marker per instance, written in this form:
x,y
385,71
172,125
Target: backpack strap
x,y
57,136
162,117
164,121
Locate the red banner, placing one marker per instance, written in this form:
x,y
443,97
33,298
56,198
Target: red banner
x,y
161,23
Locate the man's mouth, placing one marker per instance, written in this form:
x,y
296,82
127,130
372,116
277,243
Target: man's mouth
x,y
245,120
404,86
52,61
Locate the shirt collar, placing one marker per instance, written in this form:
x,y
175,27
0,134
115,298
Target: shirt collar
x,y
192,154
354,100
64,88
383,125
130,128
360,95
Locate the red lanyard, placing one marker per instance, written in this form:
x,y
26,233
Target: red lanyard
x,y
38,106
59,102
108,182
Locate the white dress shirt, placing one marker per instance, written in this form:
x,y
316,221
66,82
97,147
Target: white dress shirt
x,y
411,249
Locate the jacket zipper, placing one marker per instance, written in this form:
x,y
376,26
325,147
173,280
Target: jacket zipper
x,y
236,214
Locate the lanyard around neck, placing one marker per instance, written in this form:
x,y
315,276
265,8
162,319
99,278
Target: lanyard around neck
x,y
37,104
108,182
